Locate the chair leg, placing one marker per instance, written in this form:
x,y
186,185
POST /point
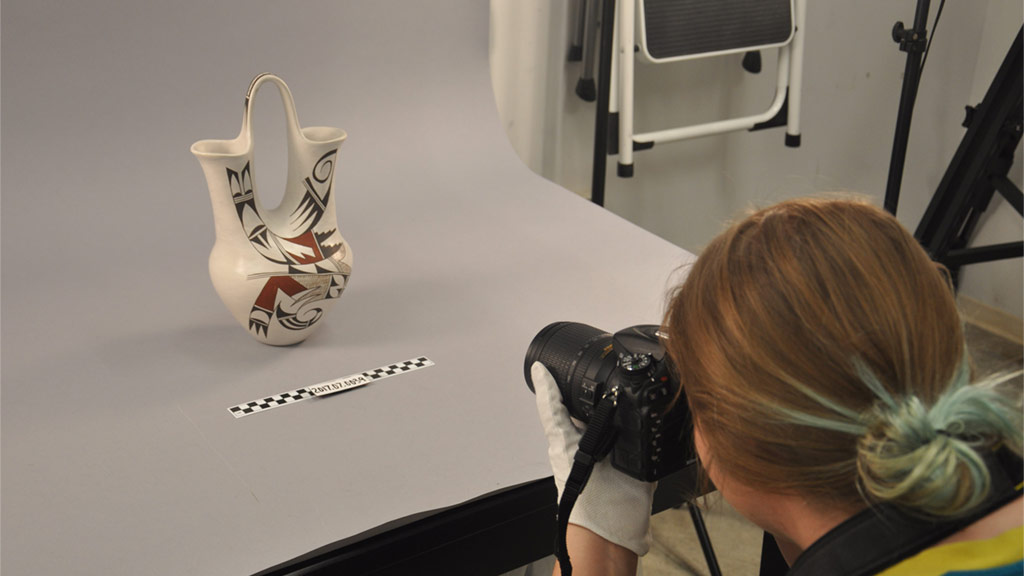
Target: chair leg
x,y
585,87
626,61
796,76
577,17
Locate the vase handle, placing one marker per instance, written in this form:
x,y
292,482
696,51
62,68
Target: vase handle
x,y
294,132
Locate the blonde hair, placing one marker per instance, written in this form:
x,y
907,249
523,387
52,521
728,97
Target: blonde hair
x,y
821,352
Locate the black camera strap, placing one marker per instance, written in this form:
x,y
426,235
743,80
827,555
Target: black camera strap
x,y
594,446
883,535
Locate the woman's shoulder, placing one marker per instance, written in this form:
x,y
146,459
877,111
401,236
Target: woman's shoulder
x,y
973,551
1006,517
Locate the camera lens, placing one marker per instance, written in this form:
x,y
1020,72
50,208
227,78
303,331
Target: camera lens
x,y
576,355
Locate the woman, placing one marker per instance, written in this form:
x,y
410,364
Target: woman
x,y
822,357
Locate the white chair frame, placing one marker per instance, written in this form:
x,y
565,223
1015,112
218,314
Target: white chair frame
x,y
789,81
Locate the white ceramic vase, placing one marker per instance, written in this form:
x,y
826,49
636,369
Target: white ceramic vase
x,y
277,271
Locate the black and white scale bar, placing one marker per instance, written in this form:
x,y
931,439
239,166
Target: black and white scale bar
x,y
330,387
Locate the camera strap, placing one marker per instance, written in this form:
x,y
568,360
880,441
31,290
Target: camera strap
x,y
594,446
883,535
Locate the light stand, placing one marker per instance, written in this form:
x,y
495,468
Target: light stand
x,y
913,41
978,170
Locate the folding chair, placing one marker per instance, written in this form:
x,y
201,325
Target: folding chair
x,y
675,30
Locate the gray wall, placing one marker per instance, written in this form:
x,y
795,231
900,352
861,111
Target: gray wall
x,y
686,191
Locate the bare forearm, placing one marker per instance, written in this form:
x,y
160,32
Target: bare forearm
x,y
592,555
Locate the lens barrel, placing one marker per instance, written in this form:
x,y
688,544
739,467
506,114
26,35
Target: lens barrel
x,y
574,353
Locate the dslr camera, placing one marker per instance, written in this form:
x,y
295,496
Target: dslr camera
x,y
653,435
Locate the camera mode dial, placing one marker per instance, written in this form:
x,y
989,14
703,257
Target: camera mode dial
x,y
634,362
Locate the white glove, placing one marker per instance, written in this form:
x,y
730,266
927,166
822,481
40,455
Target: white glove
x,y
612,505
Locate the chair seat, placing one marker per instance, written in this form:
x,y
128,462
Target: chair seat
x,y
681,29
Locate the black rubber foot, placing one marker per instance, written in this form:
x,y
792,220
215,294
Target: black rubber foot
x,y
575,53
793,140
625,170
752,62
586,89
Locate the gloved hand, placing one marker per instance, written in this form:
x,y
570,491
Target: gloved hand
x,y
612,504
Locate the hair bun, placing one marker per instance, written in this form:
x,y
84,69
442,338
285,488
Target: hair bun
x,y
928,459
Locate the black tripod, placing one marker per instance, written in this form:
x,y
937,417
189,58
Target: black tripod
x,y
978,170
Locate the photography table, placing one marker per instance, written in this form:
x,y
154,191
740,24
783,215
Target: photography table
x,y
120,454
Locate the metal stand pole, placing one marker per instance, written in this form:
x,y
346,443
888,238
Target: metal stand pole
x,y
603,94
705,540
913,42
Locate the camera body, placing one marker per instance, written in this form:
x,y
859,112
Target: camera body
x,y
653,431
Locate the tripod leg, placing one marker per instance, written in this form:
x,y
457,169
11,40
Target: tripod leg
x,y
705,541
1010,192
980,165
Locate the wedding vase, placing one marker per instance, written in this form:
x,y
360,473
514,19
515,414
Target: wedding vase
x,y
277,271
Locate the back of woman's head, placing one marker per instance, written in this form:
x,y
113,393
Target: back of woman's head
x,y
821,352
